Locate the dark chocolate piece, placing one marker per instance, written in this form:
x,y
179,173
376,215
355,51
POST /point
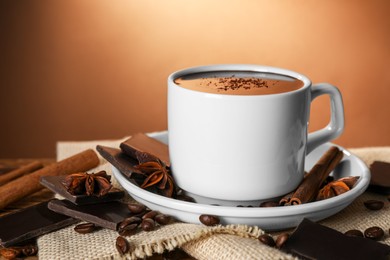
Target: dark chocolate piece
x,y
54,183
31,222
380,177
143,143
125,164
107,215
314,241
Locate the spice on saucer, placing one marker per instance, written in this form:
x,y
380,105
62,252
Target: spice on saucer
x,y
312,182
335,188
156,172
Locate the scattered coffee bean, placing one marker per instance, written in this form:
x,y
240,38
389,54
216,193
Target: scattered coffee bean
x,y
354,233
281,239
30,250
267,204
162,219
122,245
136,208
374,204
150,214
147,224
267,240
128,221
209,220
239,206
374,233
85,228
128,230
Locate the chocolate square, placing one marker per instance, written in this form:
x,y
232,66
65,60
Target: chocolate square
x,y
314,241
380,177
31,222
107,215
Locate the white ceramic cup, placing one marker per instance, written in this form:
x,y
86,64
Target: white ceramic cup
x,y
244,147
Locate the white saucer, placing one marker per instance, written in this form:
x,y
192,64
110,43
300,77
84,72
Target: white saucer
x,y
275,218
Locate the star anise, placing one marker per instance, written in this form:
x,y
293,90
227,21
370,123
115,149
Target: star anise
x,y
156,172
81,183
337,187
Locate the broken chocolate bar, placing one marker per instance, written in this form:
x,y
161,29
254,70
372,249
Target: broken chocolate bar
x,y
143,143
31,222
54,183
125,164
380,178
107,215
314,241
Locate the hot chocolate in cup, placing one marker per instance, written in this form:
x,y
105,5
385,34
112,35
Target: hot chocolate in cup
x,y
240,132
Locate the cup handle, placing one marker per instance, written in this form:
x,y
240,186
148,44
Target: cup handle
x,y
336,125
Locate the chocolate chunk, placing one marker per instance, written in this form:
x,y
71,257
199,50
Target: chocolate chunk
x,y
31,222
54,183
143,143
380,177
314,241
125,164
107,215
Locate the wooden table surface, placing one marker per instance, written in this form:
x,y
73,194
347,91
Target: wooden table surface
x,y
46,194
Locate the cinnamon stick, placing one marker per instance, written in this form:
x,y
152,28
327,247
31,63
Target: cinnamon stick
x,y
310,185
286,199
25,169
28,184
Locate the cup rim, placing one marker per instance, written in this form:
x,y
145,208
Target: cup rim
x,y
241,67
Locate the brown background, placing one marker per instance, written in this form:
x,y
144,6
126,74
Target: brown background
x,y
84,70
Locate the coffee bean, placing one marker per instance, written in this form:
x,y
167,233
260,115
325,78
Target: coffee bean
x,y
281,239
122,245
374,233
209,220
128,230
136,208
85,228
374,204
162,219
150,214
30,250
147,224
128,221
267,204
267,240
354,233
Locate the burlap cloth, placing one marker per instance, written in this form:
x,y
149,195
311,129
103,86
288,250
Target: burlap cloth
x,y
201,242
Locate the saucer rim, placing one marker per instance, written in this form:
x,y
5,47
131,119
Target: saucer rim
x,y
252,212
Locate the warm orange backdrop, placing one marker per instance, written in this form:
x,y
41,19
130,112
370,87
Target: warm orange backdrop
x,y
83,70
